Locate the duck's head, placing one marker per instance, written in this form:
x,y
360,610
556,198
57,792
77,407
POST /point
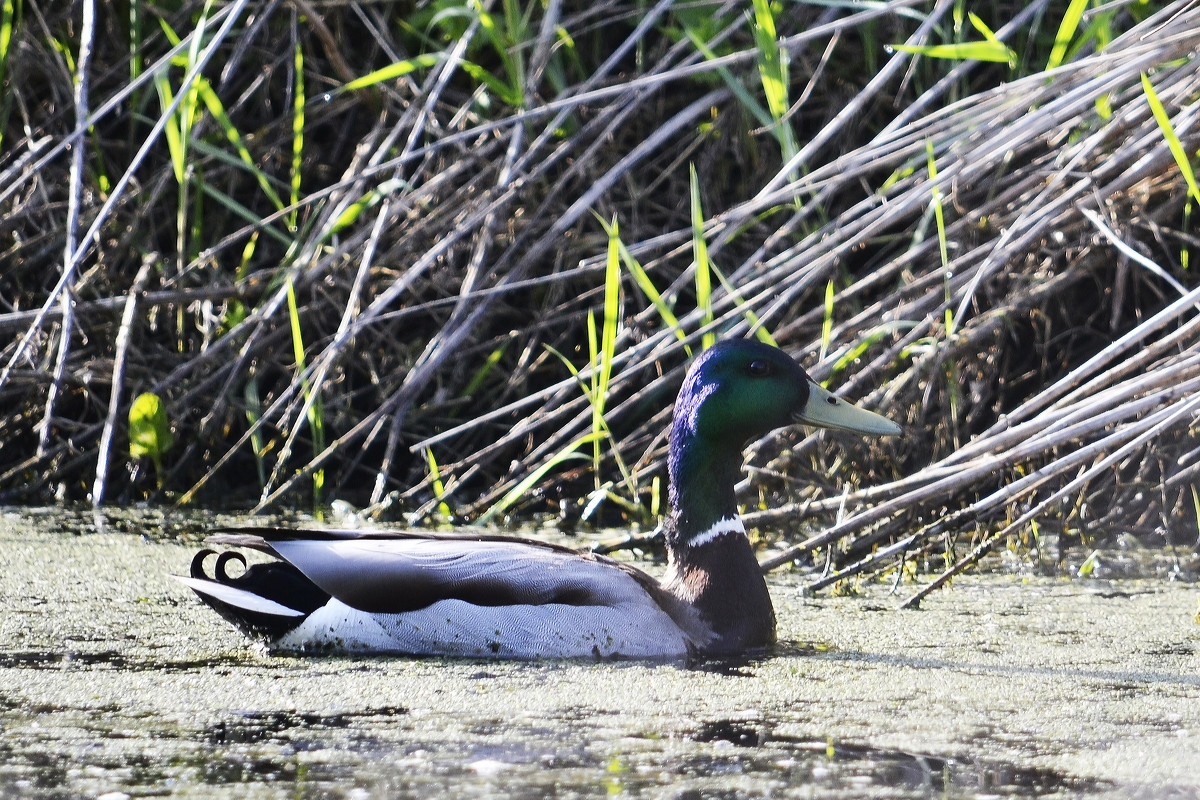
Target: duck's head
x,y
736,391
741,389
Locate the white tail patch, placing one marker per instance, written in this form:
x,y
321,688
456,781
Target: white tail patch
x,y
239,598
718,529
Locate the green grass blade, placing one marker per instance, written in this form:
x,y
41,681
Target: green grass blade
x,y
827,322
700,257
298,104
509,86
602,372
943,245
253,415
594,396
1185,252
773,72
368,201
8,15
175,139
1066,32
752,319
435,478
481,375
770,61
854,353
964,51
231,204
521,489
748,101
644,283
990,49
1168,130
612,315
215,107
393,71
316,410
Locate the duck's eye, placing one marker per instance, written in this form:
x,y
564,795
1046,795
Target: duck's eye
x,y
759,368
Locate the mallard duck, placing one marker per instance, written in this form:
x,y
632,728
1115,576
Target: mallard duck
x,y
428,594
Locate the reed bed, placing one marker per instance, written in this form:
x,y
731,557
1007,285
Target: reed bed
x,y
449,263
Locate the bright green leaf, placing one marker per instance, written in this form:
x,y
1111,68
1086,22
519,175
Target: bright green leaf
x,y
149,435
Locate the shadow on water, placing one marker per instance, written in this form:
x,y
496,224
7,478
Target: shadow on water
x,y
857,767
106,660
278,726
360,755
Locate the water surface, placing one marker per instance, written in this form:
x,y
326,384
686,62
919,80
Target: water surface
x,y
115,681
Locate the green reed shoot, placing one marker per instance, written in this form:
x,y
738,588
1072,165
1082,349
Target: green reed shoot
x,y
481,374
253,415
643,281
1069,39
1168,130
602,347
854,353
503,39
1066,32
1181,158
827,321
752,319
944,253
772,66
393,71
439,489
990,49
773,72
700,258
568,453
943,246
214,106
298,103
137,61
179,135
9,12
601,352
316,407
698,35
180,141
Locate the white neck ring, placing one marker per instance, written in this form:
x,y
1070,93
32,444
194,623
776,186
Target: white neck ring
x,y
719,528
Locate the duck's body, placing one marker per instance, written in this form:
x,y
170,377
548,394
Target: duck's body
x,y
447,595
499,597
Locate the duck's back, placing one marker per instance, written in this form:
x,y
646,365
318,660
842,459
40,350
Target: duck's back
x,y
449,596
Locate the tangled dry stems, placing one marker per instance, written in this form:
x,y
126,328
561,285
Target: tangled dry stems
x,y
1046,373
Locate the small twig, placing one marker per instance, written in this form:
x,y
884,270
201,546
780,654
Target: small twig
x,y
74,200
124,335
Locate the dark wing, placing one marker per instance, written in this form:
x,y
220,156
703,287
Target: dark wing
x,y
392,573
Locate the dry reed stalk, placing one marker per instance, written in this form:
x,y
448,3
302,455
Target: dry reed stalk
x,y
1060,322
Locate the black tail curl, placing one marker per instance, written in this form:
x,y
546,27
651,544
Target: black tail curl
x,y
277,581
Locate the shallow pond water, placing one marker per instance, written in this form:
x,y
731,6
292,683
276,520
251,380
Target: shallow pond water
x,y
115,681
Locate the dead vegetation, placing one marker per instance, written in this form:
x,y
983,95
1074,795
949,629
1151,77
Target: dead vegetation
x,y
324,284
